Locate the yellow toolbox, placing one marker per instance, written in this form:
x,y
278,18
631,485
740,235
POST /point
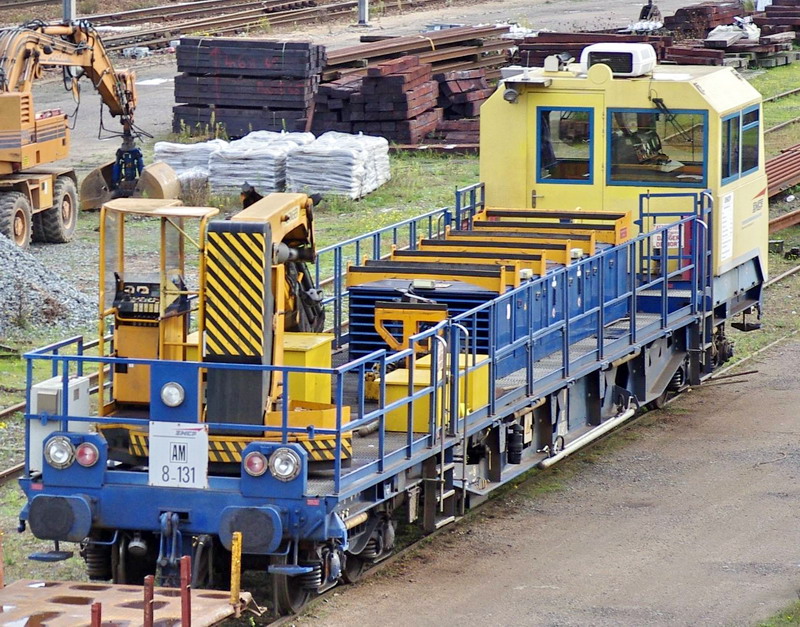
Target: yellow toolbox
x,y
397,388
474,387
308,350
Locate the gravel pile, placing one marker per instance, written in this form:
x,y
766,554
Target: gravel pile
x,y
30,294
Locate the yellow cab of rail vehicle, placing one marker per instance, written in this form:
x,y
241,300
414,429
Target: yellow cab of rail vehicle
x,y
596,135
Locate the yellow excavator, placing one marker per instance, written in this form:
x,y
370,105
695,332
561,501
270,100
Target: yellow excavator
x,y
39,201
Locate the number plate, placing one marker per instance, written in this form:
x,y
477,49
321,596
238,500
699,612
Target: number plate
x,y
178,455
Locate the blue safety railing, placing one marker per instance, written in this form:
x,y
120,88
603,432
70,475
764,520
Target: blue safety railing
x,y
332,261
542,334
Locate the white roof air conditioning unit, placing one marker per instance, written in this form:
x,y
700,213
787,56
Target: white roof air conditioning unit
x,y
623,59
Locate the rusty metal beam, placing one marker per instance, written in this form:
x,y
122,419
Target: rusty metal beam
x,y
784,221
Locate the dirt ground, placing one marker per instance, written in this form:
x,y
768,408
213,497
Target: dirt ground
x,y
688,518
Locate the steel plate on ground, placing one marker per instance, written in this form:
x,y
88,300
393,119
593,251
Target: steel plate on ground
x,y
69,604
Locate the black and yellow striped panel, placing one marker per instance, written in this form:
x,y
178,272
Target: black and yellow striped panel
x,y
234,320
221,450
139,444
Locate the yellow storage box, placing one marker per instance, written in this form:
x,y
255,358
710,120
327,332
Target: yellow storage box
x,y
308,350
474,387
397,389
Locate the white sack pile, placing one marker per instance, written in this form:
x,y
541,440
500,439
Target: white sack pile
x,y
338,163
258,159
184,157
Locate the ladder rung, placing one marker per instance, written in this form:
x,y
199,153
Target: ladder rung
x,y
448,466
444,521
446,495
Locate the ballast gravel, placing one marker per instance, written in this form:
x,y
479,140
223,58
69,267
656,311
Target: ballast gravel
x,y
33,295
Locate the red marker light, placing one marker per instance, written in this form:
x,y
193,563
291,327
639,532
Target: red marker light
x,y
87,454
255,464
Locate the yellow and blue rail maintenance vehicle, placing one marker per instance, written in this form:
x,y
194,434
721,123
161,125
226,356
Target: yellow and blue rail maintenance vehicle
x,y
621,226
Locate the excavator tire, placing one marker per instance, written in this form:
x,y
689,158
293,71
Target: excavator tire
x,y
58,223
15,218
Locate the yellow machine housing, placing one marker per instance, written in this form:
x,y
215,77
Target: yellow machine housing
x,y
239,300
585,139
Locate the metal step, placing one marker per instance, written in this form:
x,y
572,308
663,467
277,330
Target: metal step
x,y
446,495
671,293
444,521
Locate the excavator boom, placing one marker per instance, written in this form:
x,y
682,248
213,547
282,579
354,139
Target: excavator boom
x,y
31,141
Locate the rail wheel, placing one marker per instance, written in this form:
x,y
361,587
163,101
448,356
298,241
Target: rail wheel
x,y
659,402
15,218
292,593
58,223
354,568
132,567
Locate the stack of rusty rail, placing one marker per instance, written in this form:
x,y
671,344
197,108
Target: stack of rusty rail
x,y
768,51
783,170
697,19
355,94
397,101
780,17
533,50
461,48
246,84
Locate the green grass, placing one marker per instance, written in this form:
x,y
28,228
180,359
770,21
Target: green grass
x,y
776,80
787,616
771,83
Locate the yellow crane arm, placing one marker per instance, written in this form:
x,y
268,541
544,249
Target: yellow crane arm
x,y
24,51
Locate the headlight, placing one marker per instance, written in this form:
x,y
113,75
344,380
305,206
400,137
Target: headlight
x,y
172,394
284,464
59,452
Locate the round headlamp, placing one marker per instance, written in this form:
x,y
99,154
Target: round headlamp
x,y
59,452
284,464
172,394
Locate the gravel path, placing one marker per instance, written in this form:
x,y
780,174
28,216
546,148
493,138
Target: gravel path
x,y
690,519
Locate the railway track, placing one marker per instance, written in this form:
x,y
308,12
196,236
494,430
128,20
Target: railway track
x,y
230,24
7,5
211,17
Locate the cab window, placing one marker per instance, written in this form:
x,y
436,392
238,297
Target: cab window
x,y
564,140
740,144
657,148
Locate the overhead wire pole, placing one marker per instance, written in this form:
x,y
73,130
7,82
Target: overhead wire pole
x,y
70,12
363,12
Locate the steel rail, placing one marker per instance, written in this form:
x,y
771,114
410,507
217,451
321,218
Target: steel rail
x,y
228,24
21,4
171,11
